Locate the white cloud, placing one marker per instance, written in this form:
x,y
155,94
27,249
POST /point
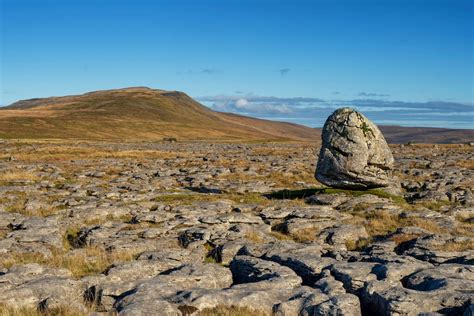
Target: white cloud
x,y
241,103
313,111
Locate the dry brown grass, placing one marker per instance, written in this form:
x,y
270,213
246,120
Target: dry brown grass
x,y
275,151
400,238
254,237
463,229
456,246
18,175
431,205
87,261
465,163
304,235
126,218
14,204
380,223
232,311
67,152
423,223
358,245
6,310
288,180
280,236
17,204
236,163
190,198
3,233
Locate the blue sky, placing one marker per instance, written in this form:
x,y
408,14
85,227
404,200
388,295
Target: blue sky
x,y
388,58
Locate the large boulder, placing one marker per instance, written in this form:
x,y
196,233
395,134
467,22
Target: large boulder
x,y
354,153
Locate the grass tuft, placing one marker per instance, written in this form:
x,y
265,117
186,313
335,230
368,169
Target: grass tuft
x,y
232,311
7,310
86,261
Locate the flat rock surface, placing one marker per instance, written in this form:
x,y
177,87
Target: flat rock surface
x,y
188,228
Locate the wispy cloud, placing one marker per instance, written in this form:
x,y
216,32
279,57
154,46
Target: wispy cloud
x,y
210,71
314,111
284,71
372,95
259,98
205,71
243,105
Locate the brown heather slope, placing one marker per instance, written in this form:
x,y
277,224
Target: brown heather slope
x,y
427,135
135,114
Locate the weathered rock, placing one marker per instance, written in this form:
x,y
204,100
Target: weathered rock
x,y
265,274
34,286
388,298
154,293
354,153
344,304
354,275
435,249
149,227
281,301
341,236
451,277
305,261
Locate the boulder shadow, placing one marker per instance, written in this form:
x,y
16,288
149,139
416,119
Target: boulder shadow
x,y
206,190
287,194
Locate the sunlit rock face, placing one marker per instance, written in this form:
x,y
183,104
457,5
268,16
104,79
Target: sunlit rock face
x,y
354,153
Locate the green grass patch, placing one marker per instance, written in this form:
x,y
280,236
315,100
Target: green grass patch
x,y
209,258
191,198
185,198
304,193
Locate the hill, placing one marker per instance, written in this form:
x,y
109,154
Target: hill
x,y
144,114
429,135
134,114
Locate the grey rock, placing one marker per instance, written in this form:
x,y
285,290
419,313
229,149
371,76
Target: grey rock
x,y
343,304
340,235
305,261
354,275
34,286
354,153
154,293
430,248
267,274
450,277
393,299
297,301
328,199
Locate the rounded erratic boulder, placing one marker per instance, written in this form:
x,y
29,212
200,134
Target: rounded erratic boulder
x,y
354,153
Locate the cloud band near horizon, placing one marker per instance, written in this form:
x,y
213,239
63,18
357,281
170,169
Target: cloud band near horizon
x,y
313,112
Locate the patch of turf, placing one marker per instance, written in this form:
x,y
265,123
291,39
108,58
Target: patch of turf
x,y
304,193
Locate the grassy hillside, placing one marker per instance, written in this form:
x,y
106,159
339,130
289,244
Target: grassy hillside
x,y
137,114
428,135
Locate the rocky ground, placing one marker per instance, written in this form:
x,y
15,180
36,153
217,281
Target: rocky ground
x,y
230,229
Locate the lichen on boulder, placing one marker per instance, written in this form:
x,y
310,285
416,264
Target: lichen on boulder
x,y
354,153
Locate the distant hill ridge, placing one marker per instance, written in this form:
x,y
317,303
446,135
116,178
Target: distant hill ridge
x,y
144,114
138,113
